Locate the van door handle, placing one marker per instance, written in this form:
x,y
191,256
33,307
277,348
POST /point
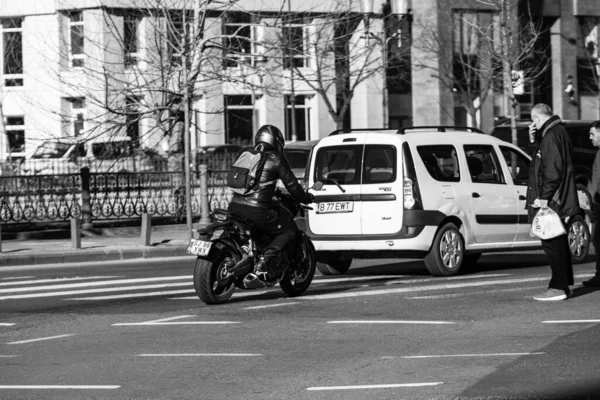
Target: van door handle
x,y
521,197
475,195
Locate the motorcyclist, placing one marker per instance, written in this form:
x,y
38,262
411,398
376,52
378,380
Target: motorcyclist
x,y
260,208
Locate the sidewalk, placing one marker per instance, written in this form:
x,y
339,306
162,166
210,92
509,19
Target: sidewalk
x,y
111,244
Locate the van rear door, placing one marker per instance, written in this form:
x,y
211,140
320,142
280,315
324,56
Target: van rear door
x,y
381,193
338,209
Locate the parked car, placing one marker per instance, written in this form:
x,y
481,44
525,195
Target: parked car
x,y
583,150
219,157
445,194
65,157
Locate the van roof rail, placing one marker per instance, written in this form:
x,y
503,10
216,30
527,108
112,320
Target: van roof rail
x,y
440,128
341,131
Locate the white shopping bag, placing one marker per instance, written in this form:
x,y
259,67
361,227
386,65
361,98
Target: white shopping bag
x,y
547,224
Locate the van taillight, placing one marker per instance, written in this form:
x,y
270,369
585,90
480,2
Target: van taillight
x,y
410,186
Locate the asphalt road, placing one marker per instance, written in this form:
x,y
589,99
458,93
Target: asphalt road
x,y
385,330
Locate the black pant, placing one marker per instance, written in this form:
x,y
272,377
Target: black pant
x,y
559,255
276,222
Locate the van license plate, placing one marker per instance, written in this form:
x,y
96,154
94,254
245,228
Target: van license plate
x,y
335,207
199,247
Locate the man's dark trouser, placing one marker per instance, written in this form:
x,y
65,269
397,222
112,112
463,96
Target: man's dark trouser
x,y
276,222
559,255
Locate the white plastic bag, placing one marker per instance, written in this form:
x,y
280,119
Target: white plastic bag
x,y
547,224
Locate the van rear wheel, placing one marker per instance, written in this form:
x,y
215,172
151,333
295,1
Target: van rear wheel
x,y
447,253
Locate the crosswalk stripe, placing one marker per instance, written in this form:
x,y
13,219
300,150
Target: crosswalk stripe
x,y
55,280
102,283
72,292
165,285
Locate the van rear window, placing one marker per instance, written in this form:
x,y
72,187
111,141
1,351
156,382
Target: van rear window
x,y
339,163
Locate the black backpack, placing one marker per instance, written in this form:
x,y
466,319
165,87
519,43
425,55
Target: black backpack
x,y
244,176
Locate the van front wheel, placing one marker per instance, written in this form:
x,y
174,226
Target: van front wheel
x,y
447,253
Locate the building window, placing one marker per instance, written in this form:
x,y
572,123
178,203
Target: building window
x,y
76,35
131,39
132,119
240,41
301,112
178,41
588,61
15,132
239,113
473,32
295,36
73,120
12,38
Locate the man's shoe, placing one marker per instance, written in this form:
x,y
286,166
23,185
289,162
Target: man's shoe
x,y
594,282
552,295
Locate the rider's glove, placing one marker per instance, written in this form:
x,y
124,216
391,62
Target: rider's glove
x,y
311,198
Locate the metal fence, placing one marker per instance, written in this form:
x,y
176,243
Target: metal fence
x,y
112,196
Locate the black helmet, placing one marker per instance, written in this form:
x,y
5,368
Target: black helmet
x,y
271,136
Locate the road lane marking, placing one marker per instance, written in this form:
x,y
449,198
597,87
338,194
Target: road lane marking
x,y
389,386
91,284
269,306
445,296
468,355
7,356
6,324
41,339
235,295
573,321
451,278
357,278
169,321
17,277
421,288
202,355
392,322
89,291
37,387
134,295
56,280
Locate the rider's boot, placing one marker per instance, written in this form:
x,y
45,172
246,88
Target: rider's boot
x,y
264,268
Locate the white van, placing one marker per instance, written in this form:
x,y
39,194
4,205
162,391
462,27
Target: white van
x,y
444,194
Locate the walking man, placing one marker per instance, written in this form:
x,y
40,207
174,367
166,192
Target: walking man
x,y
595,138
552,184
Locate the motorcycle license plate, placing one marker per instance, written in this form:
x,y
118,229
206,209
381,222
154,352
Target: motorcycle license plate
x,y
335,207
199,247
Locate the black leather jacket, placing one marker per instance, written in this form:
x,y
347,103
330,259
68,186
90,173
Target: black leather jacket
x,y
276,167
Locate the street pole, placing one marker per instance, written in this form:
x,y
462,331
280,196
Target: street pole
x,y
186,142
384,58
291,60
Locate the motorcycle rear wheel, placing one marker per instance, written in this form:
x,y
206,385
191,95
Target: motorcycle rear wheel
x,y
297,278
209,282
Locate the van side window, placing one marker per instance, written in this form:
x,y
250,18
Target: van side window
x,y
339,163
520,171
483,163
441,162
379,164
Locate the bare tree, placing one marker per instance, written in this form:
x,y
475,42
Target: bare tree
x,y
330,54
494,49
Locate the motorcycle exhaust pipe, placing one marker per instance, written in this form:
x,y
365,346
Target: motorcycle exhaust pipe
x,y
241,267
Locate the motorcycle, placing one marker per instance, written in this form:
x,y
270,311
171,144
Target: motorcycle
x,y
228,249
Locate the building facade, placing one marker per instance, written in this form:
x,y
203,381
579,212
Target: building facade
x,y
98,70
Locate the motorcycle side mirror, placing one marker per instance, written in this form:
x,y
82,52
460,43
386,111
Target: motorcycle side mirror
x,y
318,185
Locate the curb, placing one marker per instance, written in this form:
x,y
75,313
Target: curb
x,y
92,255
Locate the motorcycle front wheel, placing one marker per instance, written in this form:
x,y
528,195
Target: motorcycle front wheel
x,y
297,278
210,283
